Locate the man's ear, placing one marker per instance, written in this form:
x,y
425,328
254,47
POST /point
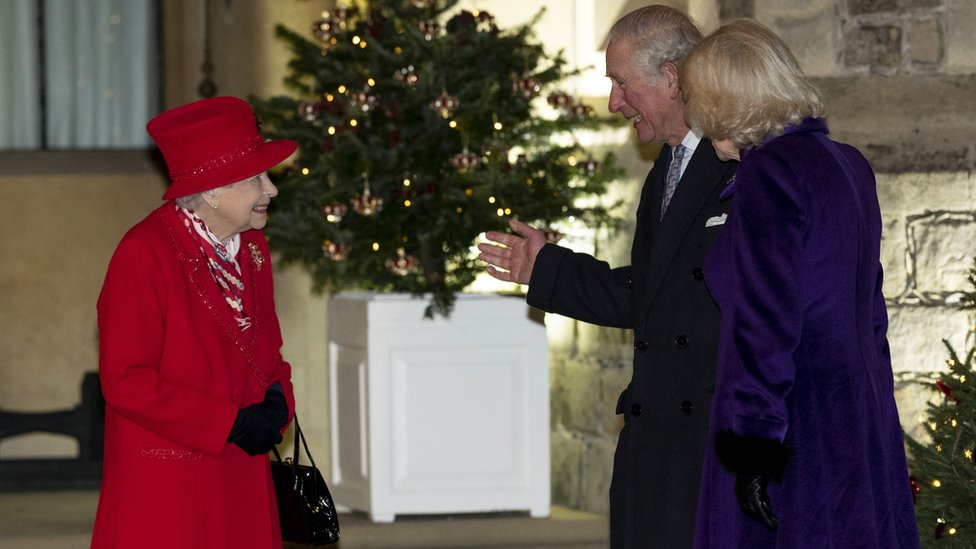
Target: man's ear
x,y
669,72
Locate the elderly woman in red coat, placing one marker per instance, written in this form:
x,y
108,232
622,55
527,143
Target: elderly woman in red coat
x,y
806,447
196,389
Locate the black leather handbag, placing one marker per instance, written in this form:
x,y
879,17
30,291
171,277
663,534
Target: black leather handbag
x,y
305,508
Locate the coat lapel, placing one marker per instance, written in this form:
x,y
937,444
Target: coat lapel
x,y
648,213
703,174
202,284
251,260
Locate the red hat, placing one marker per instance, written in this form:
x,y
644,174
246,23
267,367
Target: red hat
x,y
213,142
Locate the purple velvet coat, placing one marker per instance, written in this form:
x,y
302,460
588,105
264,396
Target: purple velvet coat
x,y
803,356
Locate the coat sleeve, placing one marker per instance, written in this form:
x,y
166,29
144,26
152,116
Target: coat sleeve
x,y
582,287
768,229
282,375
282,369
132,327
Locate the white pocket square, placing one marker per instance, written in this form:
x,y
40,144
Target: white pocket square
x,y
717,220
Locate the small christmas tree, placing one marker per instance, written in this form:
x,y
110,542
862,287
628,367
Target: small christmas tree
x,y
419,130
944,470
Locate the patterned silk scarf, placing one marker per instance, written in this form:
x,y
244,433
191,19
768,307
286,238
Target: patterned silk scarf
x,y
223,264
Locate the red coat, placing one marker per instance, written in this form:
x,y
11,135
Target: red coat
x,y
175,369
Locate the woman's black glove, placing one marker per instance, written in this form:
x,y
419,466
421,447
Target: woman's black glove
x,y
754,462
274,406
750,490
257,428
253,431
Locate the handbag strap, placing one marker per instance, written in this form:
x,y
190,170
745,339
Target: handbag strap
x,y
299,436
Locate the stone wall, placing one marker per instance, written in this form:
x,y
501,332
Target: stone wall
x,y
899,80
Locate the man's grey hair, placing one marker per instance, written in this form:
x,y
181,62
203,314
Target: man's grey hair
x,y
658,34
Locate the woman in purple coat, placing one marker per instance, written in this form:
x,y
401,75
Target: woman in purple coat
x,y
806,445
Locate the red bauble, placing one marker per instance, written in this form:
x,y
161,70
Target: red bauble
x,y
947,391
590,166
465,161
408,75
559,99
334,212
366,204
334,250
444,104
402,264
527,87
429,29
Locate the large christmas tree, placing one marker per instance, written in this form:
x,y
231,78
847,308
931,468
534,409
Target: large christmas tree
x,y
421,126
944,469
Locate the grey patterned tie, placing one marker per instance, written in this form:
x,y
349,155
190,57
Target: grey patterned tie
x,y
674,174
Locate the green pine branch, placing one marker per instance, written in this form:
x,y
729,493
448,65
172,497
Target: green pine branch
x,y
944,468
363,106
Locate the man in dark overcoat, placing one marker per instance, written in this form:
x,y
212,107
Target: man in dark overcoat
x,y
661,296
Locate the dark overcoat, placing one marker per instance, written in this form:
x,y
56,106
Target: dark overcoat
x,y
175,369
803,355
662,297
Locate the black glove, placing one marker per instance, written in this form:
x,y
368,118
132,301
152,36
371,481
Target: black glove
x,y
253,431
750,490
754,462
274,406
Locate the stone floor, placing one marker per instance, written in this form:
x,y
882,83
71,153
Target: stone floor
x,y
62,520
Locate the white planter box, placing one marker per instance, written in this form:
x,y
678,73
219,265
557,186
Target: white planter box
x,y
438,416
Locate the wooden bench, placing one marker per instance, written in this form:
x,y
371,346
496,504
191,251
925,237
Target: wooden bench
x,y
85,423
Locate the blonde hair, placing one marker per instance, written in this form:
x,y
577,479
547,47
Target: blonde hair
x,y
658,34
741,83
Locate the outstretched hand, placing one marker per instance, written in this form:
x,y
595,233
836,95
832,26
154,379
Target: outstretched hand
x,y
510,257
